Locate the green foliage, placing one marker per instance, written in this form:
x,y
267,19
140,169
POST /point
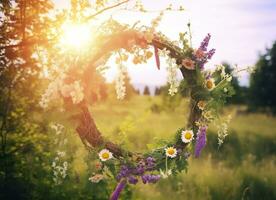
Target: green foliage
x,y
262,83
168,103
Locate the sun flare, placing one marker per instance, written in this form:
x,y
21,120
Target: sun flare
x,y
75,35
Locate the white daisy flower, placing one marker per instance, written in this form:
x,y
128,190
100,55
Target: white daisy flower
x,y
105,155
171,152
187,136
210,84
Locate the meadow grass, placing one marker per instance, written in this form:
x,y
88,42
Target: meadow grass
x,y
243,168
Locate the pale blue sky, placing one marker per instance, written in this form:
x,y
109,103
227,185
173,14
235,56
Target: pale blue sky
x,y
240,30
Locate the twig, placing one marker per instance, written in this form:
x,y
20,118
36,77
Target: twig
x,y
105,9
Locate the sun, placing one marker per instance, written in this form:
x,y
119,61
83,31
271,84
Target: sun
x,y
75,35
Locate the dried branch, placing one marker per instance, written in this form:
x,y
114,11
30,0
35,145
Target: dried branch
x,y
105,9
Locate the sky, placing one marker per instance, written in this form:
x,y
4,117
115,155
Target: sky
x,y
240,29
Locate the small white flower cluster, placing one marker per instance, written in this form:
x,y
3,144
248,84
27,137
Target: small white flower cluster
x,y
120,82
50,94
223,74
223,130
165,174
59,170
59,165
172,69
58,128
73,90
57,87
76,92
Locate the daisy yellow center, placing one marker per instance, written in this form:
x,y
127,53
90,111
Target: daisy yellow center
x,y
201,104
209,84
105,155
170,151
188,135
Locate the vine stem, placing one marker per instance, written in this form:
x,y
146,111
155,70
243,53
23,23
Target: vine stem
x,y
105,9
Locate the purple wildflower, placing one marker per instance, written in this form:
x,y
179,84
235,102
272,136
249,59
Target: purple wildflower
x,y
211,53
115,195
205,42
140,169
132,180
124,172
206,55
200,140
150,163
150,178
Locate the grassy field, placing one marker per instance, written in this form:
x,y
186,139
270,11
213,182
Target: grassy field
x,y
243,168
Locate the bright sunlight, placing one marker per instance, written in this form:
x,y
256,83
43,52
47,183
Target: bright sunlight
x,y
75,35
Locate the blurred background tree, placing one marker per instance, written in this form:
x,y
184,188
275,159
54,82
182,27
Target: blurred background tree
x,y
146,90
23,153
263,83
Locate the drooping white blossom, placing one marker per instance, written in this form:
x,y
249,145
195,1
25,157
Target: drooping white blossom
x,y
120,82
172,69
223,130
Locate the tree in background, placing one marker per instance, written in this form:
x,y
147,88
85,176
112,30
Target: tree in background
x,y
28,38
157,91
23,30
146,90
263,83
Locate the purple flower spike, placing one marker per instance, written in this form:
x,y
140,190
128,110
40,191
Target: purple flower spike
x,y
150,163
140,169
124,172
210,53
132,180
150,178
205,42
115,195
200,140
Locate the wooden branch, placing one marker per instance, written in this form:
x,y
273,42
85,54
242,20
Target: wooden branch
x,y
105,9
89,132
87,128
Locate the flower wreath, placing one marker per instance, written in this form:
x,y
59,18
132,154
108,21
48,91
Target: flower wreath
x,y
208,92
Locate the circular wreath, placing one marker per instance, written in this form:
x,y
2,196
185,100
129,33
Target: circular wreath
x,y
208,91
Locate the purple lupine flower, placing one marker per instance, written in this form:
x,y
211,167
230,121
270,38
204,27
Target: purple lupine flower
x,y
205,42
124,172
150,178
115,195
150,163
200,140
140,169
210,53
132,180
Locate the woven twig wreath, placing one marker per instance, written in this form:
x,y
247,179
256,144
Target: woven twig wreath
x,y
208,91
